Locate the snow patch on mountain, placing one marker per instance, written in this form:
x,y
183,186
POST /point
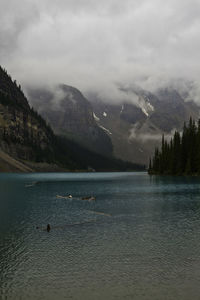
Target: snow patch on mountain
x,y
105,114
144,111
145,106
95,117
105,129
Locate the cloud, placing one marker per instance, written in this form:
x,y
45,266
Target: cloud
x,y
93,45
14,20
145,137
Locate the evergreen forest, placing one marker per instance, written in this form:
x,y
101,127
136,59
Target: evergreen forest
x,y
180,155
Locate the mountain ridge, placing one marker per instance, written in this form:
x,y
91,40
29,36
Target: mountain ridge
x,y
71,115
27,142
134,126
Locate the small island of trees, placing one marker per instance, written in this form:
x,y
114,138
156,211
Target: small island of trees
x,y
179,156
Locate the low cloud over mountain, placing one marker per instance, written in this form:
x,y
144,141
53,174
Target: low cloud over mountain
x,y
96,46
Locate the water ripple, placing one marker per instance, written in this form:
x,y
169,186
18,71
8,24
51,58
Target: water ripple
x,y
140,238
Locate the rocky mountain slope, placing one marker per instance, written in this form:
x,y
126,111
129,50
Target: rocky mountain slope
x,y
28,144
70,114
136,130
23,133
130,129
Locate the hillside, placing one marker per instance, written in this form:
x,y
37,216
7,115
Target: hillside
x,y
129,129
135,130
28,144
70,114
9,164
23,133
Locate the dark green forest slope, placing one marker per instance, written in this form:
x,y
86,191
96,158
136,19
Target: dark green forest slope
x,y
27,138
180,156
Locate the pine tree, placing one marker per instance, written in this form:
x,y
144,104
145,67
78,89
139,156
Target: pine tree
x,y
181,155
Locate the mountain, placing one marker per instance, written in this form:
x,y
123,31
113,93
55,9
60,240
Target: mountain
x,y
136,130
28,144
130,130
70,114
23,133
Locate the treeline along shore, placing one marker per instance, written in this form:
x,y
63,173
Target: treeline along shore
x,y
179,156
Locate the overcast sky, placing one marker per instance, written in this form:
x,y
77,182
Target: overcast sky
x,y
91,44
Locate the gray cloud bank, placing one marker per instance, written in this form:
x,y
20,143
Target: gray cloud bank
x,y
96,45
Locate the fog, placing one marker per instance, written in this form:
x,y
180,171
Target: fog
x,y
147,137
98,46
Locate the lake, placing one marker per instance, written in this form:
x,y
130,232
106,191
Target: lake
x,y
140,238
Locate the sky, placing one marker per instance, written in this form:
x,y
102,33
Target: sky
x,y
98,45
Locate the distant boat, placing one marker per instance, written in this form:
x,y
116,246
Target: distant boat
x,y
90,198
64,197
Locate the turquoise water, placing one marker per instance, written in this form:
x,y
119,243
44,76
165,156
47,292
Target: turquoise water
x,y
140,238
